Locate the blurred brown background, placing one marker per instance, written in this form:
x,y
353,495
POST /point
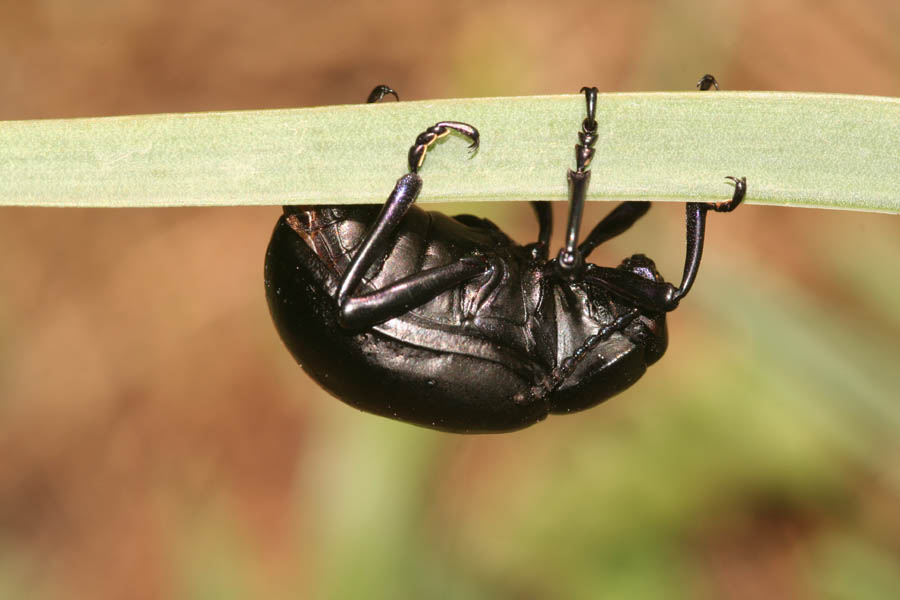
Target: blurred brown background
x,y
157,440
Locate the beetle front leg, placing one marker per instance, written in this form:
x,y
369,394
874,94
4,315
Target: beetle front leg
x,y
659,296
695,221
625,215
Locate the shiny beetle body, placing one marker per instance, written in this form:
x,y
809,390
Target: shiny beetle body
x,y
459,362
447,323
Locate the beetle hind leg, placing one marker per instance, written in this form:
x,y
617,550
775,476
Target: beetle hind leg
x,y
365,310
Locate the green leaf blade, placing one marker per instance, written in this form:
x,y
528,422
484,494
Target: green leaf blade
x,y
815,150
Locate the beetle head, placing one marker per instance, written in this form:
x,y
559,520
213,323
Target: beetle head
x,y
648,331
642,265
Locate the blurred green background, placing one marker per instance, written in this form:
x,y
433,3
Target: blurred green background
x,y
157,440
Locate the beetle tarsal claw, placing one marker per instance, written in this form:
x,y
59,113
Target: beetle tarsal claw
x,y
740,190
706,82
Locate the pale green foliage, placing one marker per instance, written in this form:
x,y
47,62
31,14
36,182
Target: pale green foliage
x,y
813,150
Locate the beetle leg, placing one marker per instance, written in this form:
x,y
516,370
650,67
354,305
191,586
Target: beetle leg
x,y
428,137
658,296
625,215
570,261
618,221
695,220
650,295
379,237
706,82
367,310
541,248
378,94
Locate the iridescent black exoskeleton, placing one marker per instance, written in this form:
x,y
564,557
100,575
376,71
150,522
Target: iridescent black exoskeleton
x,y
446,322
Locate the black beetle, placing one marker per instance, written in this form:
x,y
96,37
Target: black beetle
x,y
446,322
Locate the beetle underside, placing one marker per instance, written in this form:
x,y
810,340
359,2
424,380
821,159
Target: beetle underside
x,y
447,323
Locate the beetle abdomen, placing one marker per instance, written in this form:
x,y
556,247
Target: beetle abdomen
x,y
386,373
